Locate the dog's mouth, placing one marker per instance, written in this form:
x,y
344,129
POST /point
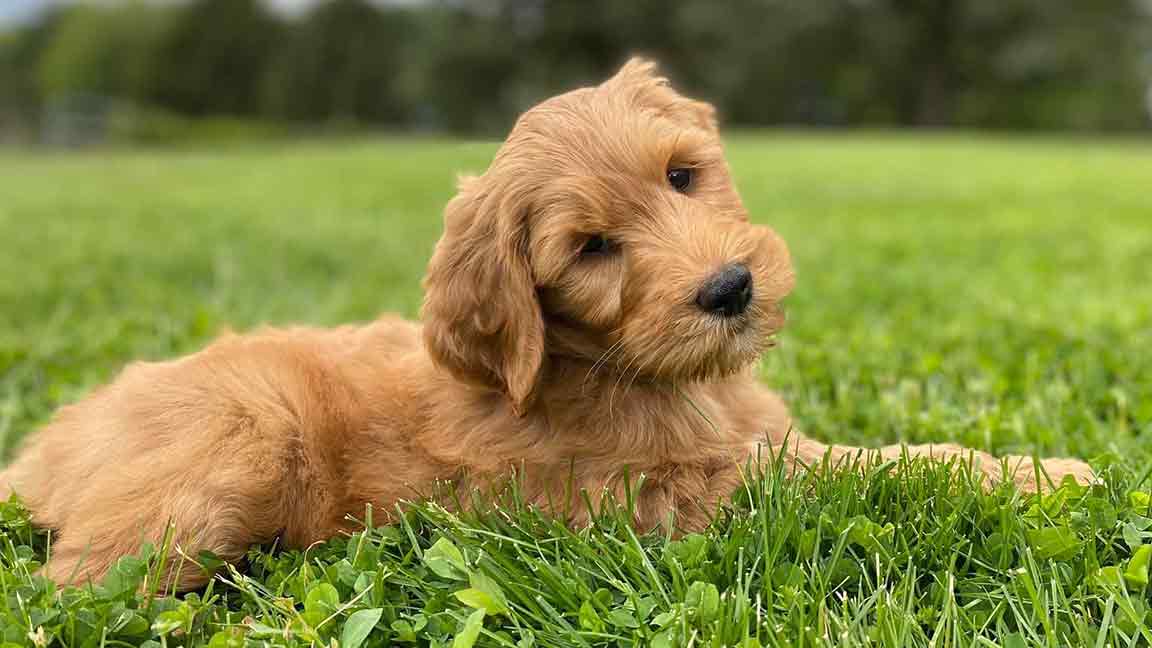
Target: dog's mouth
x,y
753,332
726,346
739,325
689,348
765,320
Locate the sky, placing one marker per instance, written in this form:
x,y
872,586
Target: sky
x,y
16,11
19,11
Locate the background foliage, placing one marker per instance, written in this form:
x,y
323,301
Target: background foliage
x,y
1079,64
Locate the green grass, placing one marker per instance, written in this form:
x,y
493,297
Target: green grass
x,y
991,291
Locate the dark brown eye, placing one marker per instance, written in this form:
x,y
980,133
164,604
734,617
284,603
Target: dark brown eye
x,y
596,244
680,179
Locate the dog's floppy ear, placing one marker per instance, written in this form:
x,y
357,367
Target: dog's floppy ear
x,y
482,319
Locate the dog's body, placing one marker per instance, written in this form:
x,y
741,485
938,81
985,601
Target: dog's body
x,y
594,310
286,432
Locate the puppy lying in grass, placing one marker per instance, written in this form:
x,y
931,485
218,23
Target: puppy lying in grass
x,y
595,308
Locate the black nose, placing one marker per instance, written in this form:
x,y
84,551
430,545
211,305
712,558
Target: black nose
x,y
728,292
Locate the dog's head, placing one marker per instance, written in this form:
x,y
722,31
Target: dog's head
x,y
607,228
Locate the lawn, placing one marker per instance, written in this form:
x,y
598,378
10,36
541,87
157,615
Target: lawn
x,y
995,291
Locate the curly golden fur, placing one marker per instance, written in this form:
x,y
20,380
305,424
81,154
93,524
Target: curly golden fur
x,y
574,365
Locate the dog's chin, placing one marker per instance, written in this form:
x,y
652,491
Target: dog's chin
x,y
715,366
735,344
742,349
718,348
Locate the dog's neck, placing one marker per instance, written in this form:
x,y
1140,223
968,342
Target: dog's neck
x,y
597,378
583,410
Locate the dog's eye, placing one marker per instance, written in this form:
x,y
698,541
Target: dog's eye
x,y
596,244
680,179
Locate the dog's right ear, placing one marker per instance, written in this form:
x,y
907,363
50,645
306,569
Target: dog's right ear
x,y
482,319
638,70
641,78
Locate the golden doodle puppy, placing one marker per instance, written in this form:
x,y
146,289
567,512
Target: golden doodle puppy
x,y
595,308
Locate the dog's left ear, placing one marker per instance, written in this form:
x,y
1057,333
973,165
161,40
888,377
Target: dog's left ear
x,y
482,319
642,78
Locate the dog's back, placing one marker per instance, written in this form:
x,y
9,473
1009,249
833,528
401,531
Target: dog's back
x,y
234,444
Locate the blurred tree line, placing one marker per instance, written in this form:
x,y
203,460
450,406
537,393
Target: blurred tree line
x,y
472,66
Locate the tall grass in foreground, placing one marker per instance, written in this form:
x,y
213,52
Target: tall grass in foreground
x,y
904,553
